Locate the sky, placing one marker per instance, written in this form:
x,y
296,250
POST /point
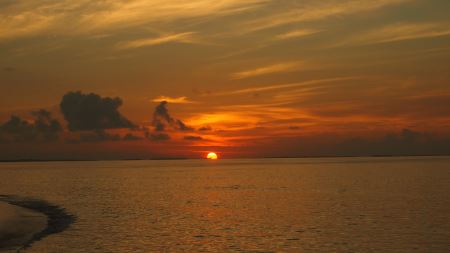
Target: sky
x,y
140,79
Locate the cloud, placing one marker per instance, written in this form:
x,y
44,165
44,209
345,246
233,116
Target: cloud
x,y
285,86
296,34
161,116
205,128
275,68
398,32
318,10
24,24
407,142
158,137
131,137
92,112
181,126
30,18
121,14
46,125
43,128
228,117
162,119
102,135
193,138
99,136
186,37
403,143
177,100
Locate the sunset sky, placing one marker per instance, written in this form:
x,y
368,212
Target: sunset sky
x,y
118,79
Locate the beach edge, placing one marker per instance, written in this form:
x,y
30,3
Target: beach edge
x,y
58,219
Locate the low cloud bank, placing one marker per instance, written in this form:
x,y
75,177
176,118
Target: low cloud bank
x,y
404,143
407,142
43,128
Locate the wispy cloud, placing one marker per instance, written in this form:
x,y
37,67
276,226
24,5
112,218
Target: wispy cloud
x,y
136,12
285,86
233,118
296,34
275,68
313,12
186,37
24,24
174,100
398,32
68,17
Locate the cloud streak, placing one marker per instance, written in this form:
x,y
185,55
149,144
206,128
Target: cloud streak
x,y
192,138
29,18
173,100
271,69
186,37
314,12
285,86
27,23
399,32
137,12
296,34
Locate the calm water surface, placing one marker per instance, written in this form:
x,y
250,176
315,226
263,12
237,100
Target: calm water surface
x,y
266,205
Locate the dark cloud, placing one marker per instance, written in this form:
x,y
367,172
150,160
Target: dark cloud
x,y
158,137
429,106
98,136
92,112
181,126
159,126
162,119
131,137
193,138
407,142
205,128
404,143
294,127
161,116
43,128
46,125
17,130
103,136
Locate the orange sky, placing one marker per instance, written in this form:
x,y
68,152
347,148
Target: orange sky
x,y
248,78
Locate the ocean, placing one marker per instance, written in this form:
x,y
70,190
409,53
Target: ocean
x,y
366,204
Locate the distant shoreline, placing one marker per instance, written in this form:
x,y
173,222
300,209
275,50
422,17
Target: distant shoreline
x,y
58,219
169,159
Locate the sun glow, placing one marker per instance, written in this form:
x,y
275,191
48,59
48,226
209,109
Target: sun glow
x,y
212,156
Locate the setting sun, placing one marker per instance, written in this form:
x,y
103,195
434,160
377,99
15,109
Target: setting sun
x,y
212,156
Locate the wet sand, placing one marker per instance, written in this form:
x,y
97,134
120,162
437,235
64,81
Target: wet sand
x,y
24,221
18,225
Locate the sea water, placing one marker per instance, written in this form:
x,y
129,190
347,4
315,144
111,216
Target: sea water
x,y
257,205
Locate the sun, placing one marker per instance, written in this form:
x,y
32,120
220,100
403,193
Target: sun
x,y
212,156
